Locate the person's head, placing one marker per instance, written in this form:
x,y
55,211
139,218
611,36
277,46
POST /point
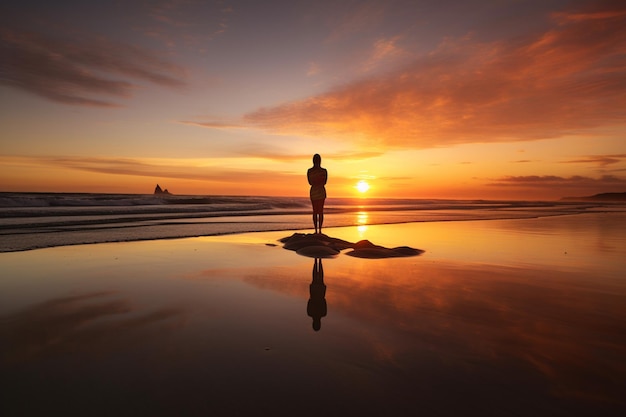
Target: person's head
x,y
317,160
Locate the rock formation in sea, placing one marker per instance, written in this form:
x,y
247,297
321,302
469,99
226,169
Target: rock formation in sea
x,y
159,191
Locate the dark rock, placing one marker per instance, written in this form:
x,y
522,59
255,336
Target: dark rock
x,y
159,191
318,251
321,246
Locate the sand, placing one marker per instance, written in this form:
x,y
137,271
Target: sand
x,y
523,317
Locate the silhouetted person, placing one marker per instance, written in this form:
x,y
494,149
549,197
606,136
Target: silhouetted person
x,y
316,307
317,177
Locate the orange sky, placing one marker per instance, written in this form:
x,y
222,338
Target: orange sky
x,y
422,99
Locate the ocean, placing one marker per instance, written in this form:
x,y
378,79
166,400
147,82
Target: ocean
x,y
38,220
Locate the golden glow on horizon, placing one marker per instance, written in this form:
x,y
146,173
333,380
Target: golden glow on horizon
x,y
465,171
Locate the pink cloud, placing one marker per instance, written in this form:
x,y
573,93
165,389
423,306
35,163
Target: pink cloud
x,y
564,81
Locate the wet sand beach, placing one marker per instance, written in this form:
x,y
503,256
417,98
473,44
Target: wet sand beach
x,y
500,317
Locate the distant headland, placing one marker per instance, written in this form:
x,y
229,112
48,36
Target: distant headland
x,y
599,197
159,191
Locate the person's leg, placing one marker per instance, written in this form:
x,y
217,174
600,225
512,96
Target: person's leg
x,y
320,211
314,206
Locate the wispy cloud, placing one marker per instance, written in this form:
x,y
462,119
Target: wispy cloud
x,y
591,15
555,182
214,124
383,51
564,81
313,69
258,152
175,169
600,160
82,71
191,23
351,18
217,173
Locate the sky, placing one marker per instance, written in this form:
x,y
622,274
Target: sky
x,y
487,99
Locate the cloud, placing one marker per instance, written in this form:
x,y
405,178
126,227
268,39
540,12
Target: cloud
x,y
590,15
601,160
267,151
564,81
337,156
144,169
553,181
129,166
383,50
548,187
313,69
173,169
82,71
223,175
190,23
214,124
352,18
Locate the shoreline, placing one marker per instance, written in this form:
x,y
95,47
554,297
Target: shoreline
x,y
87,236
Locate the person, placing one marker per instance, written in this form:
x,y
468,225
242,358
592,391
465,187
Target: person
x,y
317,177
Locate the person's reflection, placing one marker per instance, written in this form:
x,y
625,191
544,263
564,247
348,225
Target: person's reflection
x,y
316,307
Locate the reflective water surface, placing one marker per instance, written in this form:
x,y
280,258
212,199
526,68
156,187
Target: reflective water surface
x,y
523,317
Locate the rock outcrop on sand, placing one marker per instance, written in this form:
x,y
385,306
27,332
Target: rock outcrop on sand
x,y
323,246
159,191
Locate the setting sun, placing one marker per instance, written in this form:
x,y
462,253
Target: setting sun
x,y
362,186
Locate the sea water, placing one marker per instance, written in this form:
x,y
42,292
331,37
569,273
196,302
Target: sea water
x,y
38,220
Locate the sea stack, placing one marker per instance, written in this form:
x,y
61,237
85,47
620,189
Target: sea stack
x,y
159,191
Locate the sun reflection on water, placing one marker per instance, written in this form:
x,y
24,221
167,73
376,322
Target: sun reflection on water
x,y
362,221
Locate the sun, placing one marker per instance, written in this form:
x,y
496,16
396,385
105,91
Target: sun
x,y
362,186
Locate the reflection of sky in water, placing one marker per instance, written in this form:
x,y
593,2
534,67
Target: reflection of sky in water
x,y
592,242
494,313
